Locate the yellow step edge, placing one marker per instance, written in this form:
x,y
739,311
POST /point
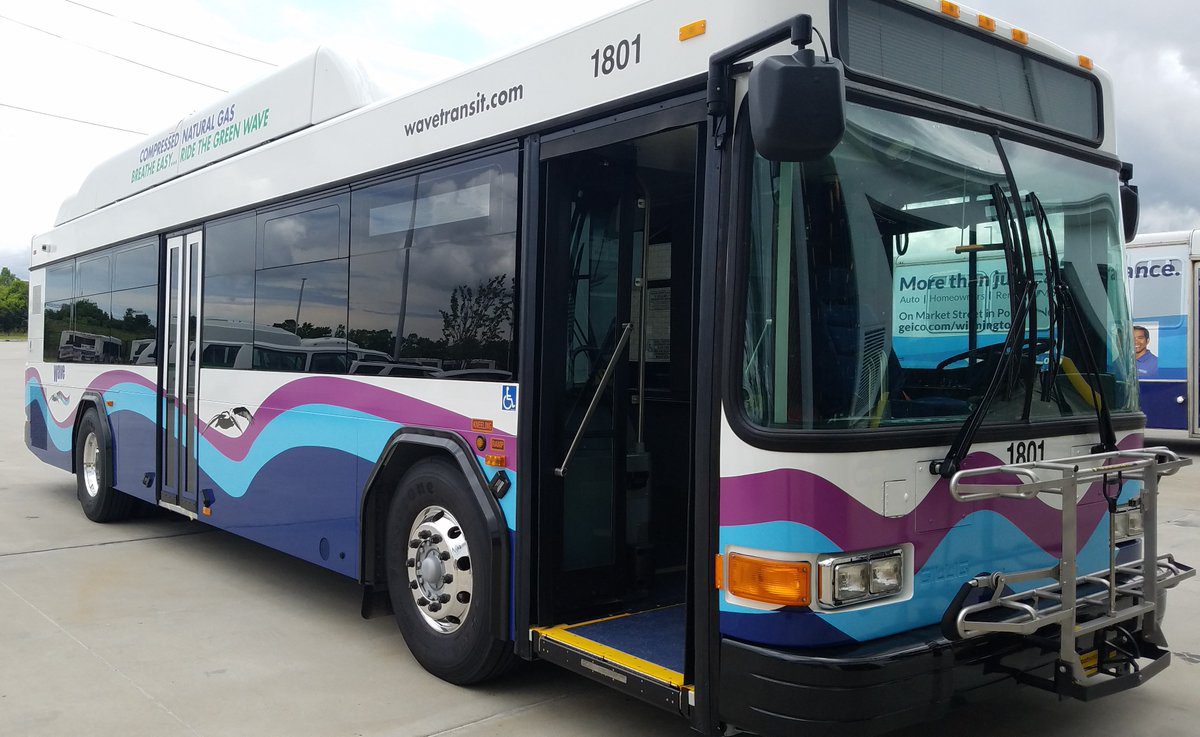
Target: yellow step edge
x,y
561,633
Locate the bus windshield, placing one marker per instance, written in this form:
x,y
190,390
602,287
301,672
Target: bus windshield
x,y
878,281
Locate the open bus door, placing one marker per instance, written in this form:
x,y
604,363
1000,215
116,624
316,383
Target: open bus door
x,y
620,214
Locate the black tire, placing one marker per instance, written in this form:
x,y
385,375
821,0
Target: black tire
x,y
103,503
470,653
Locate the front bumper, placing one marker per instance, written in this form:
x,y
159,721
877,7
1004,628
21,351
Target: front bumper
x,y
877,687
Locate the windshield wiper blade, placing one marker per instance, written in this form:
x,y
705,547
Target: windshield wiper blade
x,y
1013,342
1055,329
1068,305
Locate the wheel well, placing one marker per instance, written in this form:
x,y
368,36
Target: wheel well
x,y
88,402
376,499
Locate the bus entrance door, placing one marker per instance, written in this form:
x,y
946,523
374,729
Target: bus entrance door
x,y
179,365
618,234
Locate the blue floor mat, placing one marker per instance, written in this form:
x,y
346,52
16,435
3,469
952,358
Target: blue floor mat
x,y
656,636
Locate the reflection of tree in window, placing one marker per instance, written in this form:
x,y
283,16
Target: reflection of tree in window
x,y
433,260
479,317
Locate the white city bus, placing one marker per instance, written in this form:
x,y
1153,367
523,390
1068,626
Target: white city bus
x,y
665,391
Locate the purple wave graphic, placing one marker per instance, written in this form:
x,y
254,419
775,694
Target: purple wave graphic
x,y
101,383
383,403
366,398
800,496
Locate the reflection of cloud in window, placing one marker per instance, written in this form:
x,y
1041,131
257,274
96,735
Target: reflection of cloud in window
x,y
434,272
323,302
302,237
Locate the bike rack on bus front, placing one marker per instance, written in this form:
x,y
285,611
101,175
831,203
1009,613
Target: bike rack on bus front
x,y
1080,606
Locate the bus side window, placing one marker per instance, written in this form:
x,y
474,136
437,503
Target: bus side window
x,y
429,255
59,317
134,313
300,286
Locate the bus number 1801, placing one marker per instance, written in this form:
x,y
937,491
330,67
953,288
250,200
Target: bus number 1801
x,y
613,58
1026,452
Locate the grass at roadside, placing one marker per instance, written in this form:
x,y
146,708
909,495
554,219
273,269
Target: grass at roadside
x,y
14,336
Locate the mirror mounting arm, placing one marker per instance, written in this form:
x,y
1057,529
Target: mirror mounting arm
x,y
1129,202
720,67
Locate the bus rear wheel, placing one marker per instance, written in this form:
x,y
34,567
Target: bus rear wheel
x,y
93,473
439,571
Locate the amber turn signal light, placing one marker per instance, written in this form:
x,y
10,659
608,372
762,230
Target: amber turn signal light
x,y
770,581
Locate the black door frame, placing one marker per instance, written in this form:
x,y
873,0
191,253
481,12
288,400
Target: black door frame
x,y
536,449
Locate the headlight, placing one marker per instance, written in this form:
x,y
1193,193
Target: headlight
x,y
886,575
850,581
855,578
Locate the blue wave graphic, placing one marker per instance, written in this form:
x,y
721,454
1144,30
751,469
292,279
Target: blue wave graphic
x,y
311,425
952,562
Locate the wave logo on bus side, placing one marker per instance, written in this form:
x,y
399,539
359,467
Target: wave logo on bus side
x,y
60,398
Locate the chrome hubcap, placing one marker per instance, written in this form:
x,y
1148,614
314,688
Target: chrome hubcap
x,y
91,465
439,569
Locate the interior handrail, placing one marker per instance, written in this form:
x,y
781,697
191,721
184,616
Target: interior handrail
x,y
561,471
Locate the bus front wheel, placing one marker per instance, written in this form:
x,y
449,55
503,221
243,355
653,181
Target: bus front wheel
x,y
93,473
439,571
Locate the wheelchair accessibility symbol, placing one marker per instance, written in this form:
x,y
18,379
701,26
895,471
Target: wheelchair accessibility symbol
x,y
508,397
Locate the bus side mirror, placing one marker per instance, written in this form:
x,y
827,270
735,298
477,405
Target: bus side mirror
x,y
797,102
1129,202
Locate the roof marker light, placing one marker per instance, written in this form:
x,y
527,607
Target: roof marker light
x,y
949,8
987,22
1020,36
691,30
1086,62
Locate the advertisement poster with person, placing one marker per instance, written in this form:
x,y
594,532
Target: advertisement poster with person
x,y
1145,349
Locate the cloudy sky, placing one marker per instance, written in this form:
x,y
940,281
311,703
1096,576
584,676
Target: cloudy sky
x,y
61,57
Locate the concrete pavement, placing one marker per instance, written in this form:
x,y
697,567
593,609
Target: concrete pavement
x,y
161,626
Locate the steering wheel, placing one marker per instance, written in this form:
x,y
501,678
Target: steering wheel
x,y
1040,345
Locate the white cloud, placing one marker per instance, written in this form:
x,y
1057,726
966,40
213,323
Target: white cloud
x,y
1159,217
406,43
43,160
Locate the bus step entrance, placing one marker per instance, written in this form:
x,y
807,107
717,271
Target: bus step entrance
x,y
1108,638
640,654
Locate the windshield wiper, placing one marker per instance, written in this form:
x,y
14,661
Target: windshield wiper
x,y
1054,312
1014,344
1065,303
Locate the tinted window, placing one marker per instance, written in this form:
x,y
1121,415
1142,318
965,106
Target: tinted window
x,y
305,233
228,291
441,277
57,321
60,282
271,359
90,340
136,267
220,355
135,324
383,216
329,363
94,276
298,303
